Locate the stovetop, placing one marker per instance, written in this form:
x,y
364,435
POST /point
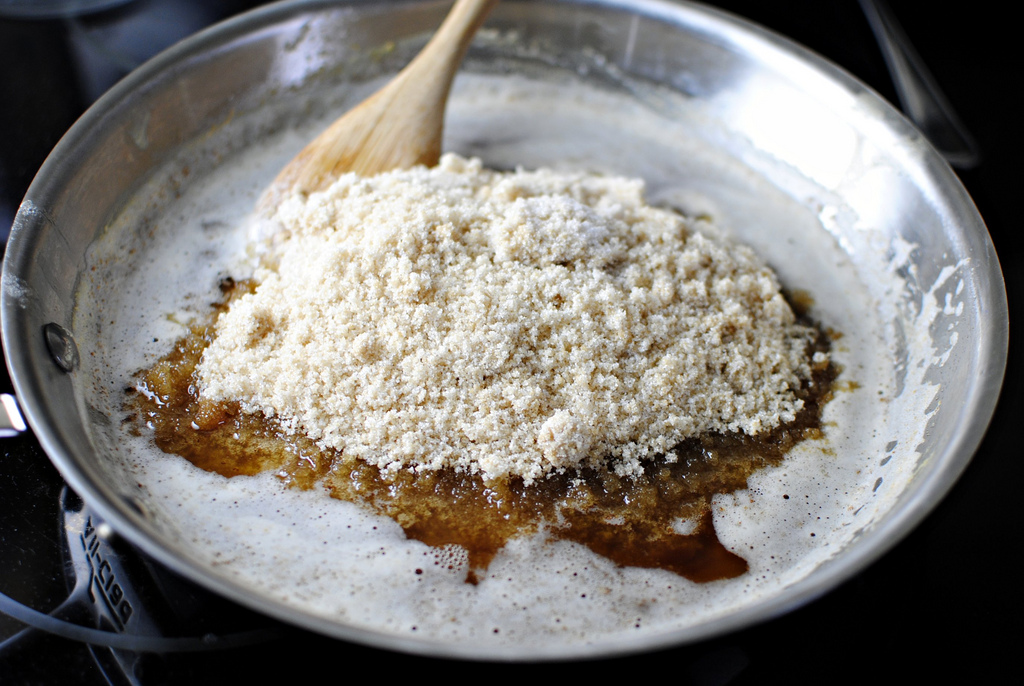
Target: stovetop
x,y
934,605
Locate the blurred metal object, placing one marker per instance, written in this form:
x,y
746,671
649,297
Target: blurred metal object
x,y
920,96
11,421
50,9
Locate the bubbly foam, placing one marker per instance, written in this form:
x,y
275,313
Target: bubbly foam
x,y
333,560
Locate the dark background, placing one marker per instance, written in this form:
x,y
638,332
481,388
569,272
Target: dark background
x,y
944,602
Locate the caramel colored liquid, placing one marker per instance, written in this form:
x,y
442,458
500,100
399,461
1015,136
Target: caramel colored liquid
x,y
632,521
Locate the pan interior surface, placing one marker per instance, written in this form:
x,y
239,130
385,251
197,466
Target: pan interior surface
x,y
782,152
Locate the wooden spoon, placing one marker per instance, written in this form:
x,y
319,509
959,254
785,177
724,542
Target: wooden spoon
x,y
399,126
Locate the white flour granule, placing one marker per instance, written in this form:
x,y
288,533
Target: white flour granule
x,y
505,323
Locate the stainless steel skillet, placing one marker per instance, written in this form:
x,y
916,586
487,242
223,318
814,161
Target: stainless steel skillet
x,y
754,86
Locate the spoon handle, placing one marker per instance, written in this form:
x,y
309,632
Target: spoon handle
x,y
455,34
428,78
399,126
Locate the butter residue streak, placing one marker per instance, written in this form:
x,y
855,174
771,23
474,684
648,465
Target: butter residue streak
x,y
505,323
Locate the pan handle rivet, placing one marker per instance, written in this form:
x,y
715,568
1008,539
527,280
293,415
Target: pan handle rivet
x,y
61,346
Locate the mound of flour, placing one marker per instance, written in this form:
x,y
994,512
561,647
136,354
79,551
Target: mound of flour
x,y
505,323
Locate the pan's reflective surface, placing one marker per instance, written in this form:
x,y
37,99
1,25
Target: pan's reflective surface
x,y
760,121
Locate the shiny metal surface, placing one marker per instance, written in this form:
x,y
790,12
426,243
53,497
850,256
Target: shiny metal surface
x,y
790,105
11,421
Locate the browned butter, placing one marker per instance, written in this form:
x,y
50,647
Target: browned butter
x,y
632,521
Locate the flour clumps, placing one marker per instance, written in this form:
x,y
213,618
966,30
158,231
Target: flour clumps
x,y
505,323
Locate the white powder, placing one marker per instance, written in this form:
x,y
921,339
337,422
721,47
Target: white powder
x,y
505,323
